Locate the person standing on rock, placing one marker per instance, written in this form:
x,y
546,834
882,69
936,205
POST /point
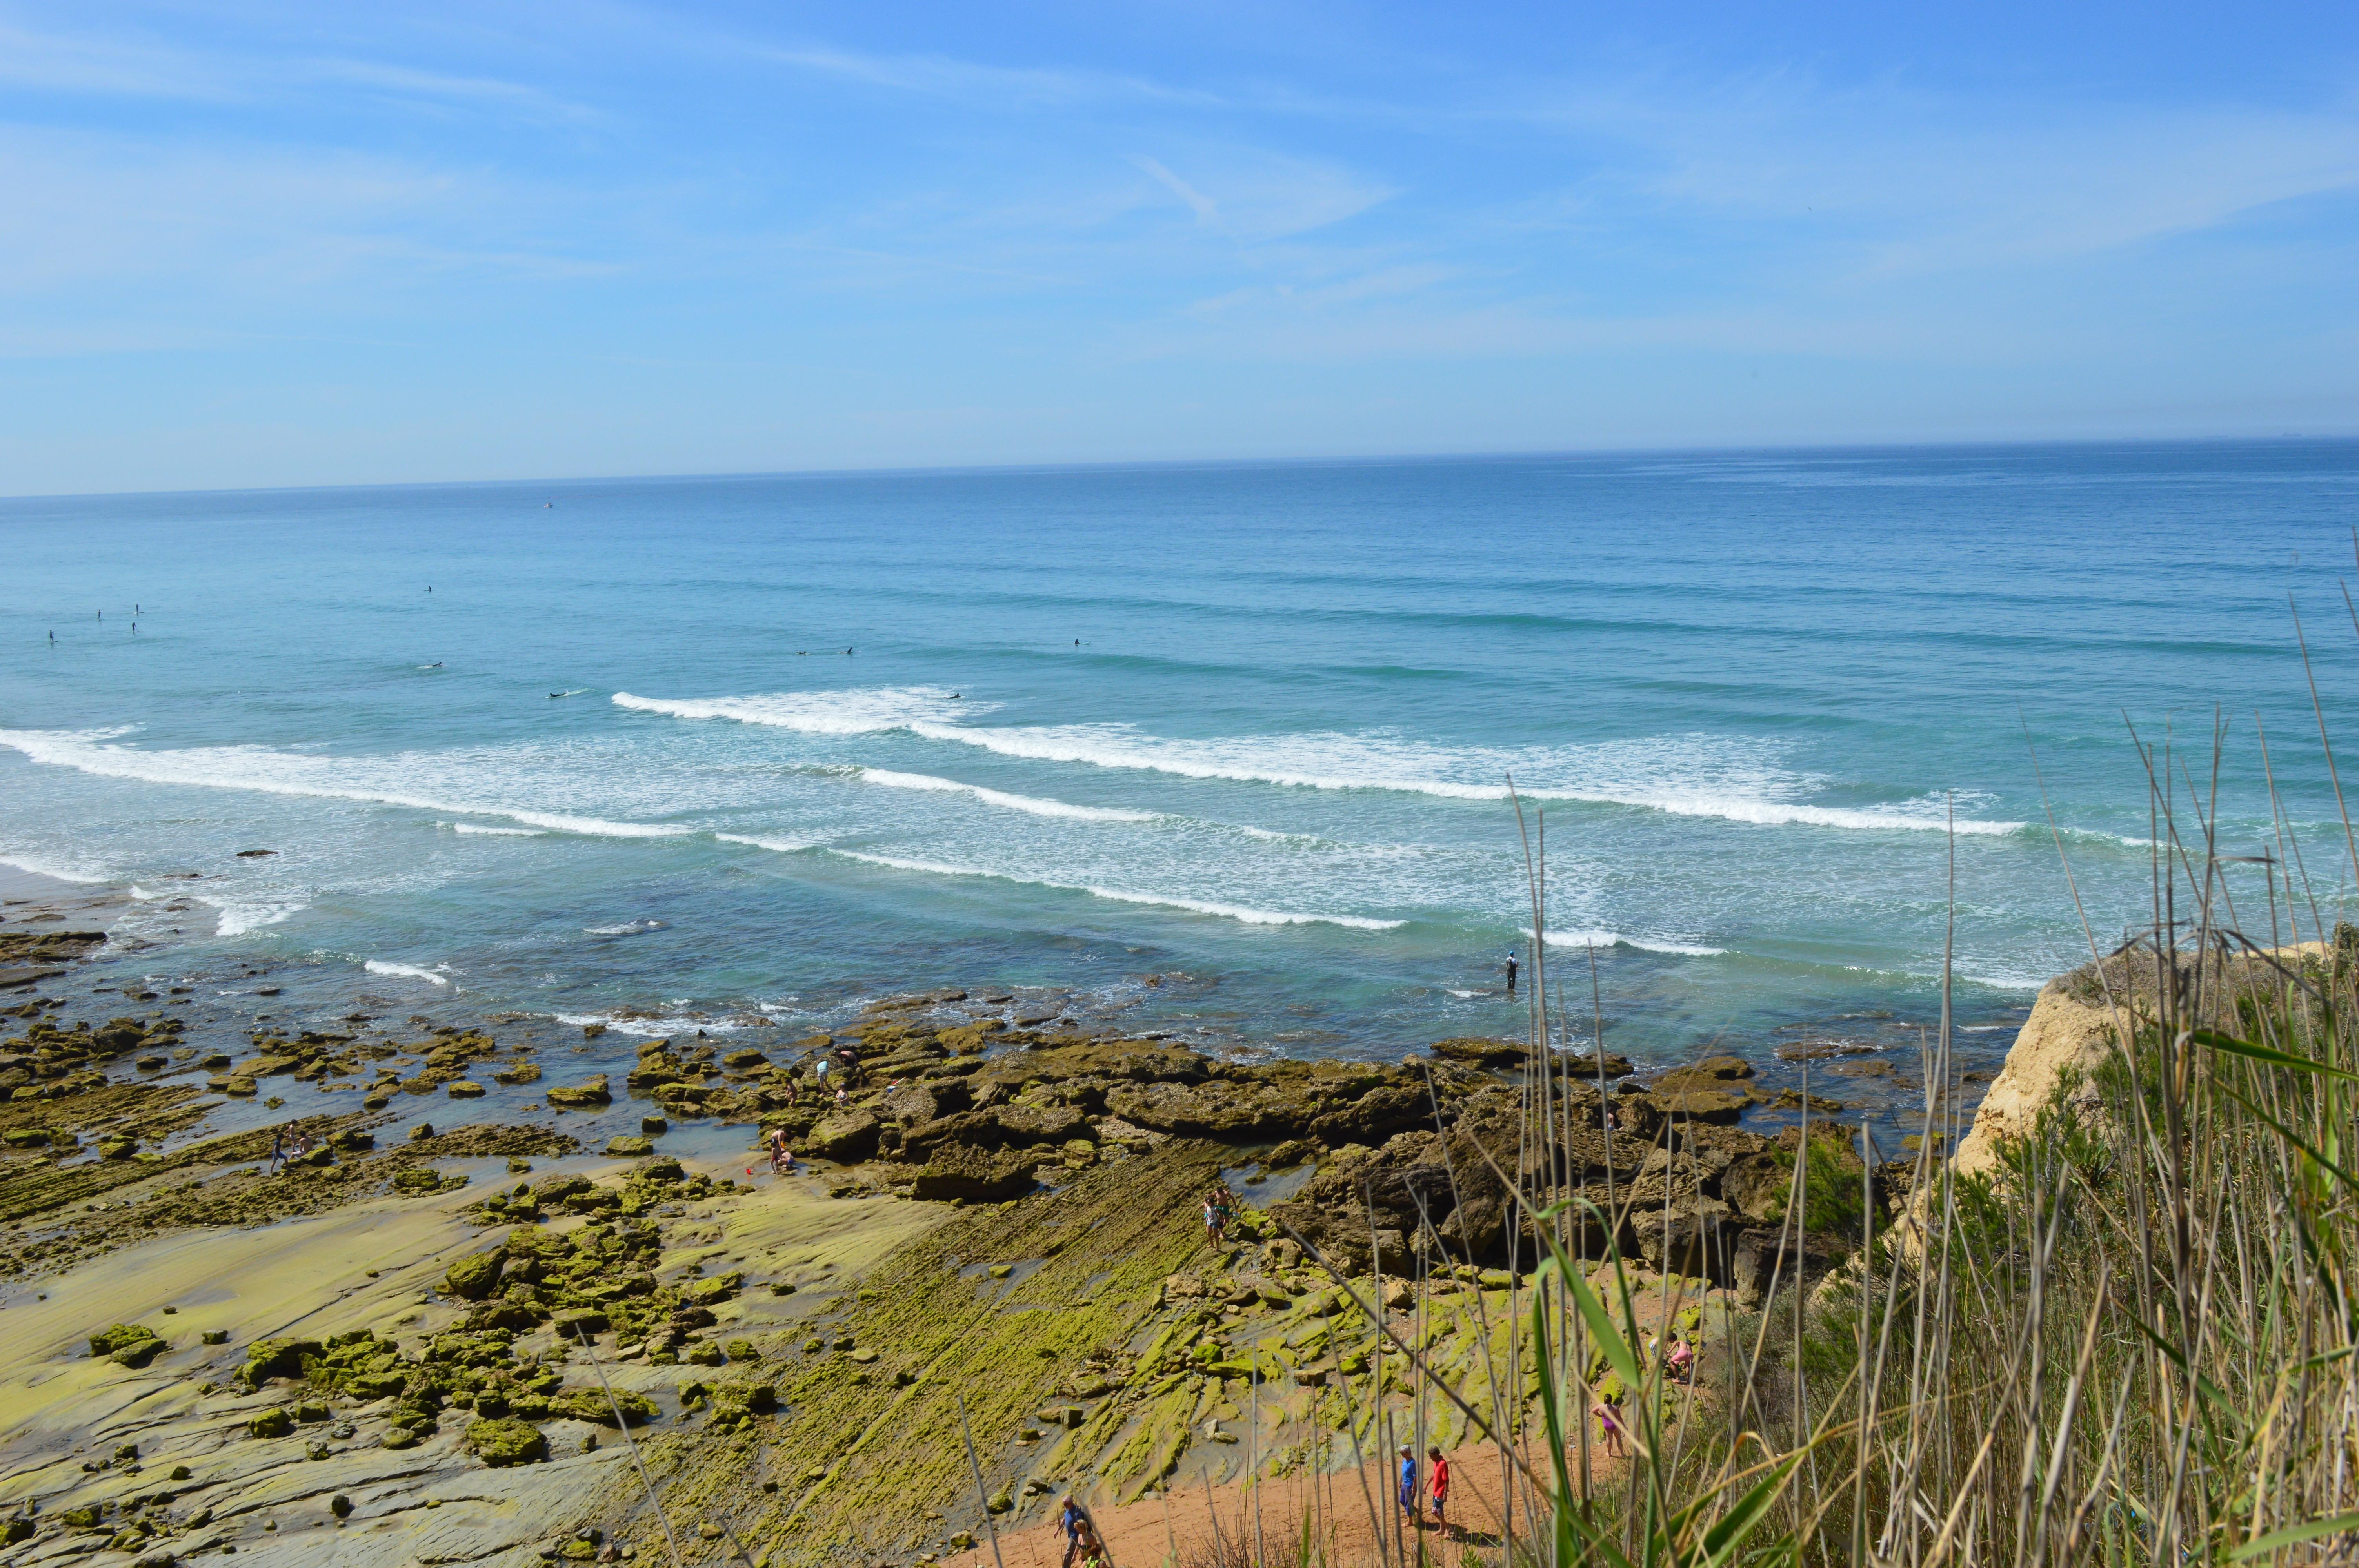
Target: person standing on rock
x,y
277,1151
1511,974
1216,1215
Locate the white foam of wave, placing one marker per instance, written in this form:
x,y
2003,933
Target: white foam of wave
x,y
626,928
407,971
1621,939
1036,805
851,711
1685,775
263,771
650,1028
237,919
1165,901
476,827
777,846
41,867
1461,995
2004,981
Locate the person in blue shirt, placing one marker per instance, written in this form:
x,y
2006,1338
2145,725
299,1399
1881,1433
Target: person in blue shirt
x,y
1408,1488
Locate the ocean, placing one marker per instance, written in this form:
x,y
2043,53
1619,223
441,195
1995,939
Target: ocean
x,y
1221,752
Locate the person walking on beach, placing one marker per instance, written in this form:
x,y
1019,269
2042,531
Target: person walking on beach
x,y
1511,974
1083,1543
1438,1468
1609,1426
1408,1490
277,1151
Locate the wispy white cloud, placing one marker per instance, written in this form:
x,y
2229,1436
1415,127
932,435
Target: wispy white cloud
x,y
135,65
983,84
1206,210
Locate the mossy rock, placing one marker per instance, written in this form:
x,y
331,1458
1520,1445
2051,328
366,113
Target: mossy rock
x,y
477,1275
572,1321
270,1423
128,1345
286,1357
460,1089
417,1181
519,1073
846,1136
501,1443
593,1093
977,1176
713,1293
594,1405
628,1147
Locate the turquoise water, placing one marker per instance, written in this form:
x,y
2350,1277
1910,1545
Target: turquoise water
x,y
1246,729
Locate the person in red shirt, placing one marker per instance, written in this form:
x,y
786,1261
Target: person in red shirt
x,y
1437,1488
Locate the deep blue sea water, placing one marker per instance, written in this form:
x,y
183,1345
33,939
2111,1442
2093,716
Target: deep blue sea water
x,y
1245,727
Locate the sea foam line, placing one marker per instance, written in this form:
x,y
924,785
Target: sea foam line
x,y
1334,761
1166,900
407,971
260,769
1618,939
1036,805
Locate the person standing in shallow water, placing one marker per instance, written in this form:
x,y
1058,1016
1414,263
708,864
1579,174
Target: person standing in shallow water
x,y
1511,974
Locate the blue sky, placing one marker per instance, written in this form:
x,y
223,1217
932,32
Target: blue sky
x,y
257,244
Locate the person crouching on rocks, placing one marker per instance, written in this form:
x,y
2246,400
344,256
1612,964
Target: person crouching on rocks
x,y
782,1159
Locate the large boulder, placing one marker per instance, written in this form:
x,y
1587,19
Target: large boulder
x,y
128,1345
914,1104
1481,1053
1711,1072
599,1405
282,1357
1042,1124
594,1093
847,1136
1755,1186
964,1172
1375,1116
476,1275
1721,1105
499,1443
1228,1111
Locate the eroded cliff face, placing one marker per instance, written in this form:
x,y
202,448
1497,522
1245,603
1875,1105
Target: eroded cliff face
x,y
2070,1027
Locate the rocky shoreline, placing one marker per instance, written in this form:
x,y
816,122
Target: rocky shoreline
x,y
439,1343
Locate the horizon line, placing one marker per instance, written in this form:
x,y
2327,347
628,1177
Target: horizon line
x,y
1110,465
